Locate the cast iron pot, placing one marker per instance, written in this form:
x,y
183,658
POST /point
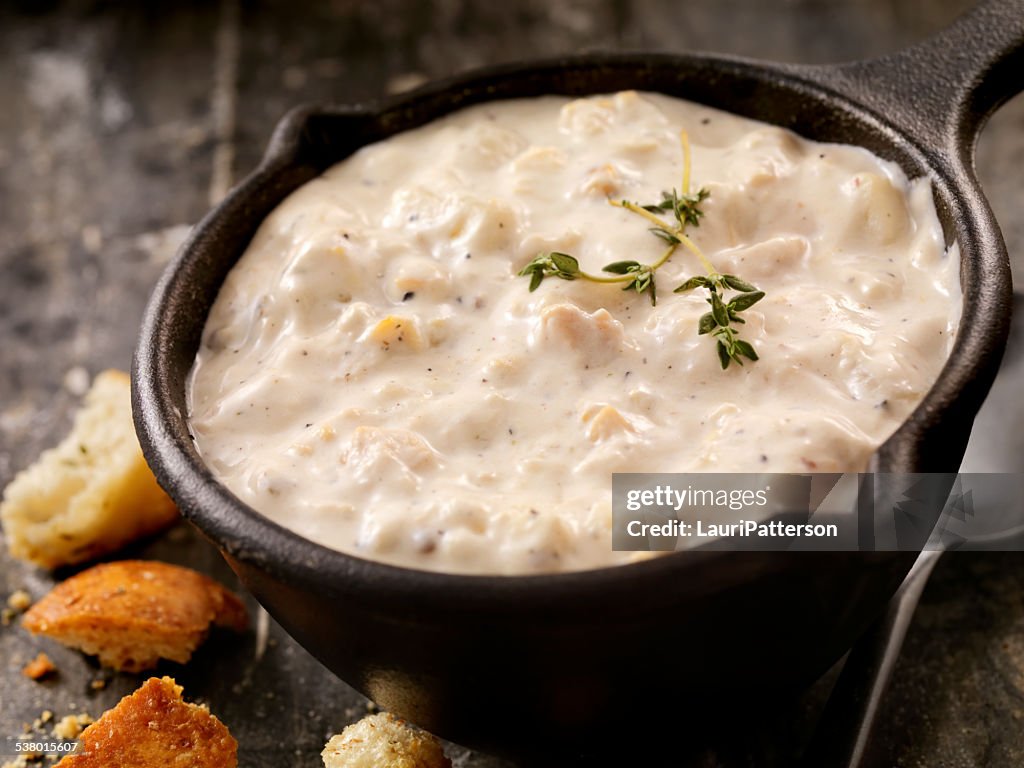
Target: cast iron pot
x,y
547,665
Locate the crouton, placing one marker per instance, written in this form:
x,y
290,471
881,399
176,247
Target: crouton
x,y
132,613
383,741
90,495
155,728
41,666
70,726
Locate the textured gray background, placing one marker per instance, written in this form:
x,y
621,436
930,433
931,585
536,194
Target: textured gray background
x,y
120,124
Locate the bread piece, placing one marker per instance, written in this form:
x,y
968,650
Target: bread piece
x,y
384,741
90,495
154,728
41,666
133,612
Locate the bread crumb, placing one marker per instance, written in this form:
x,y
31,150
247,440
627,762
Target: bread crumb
x,y
131,613
76,381
19,600
37,725
41,666
384,741
70,726
155,728
90,495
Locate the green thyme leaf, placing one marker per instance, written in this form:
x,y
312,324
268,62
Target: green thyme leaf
x,y
736,284
553,264
564,263
694,282
622,267
746,300
746,349
718,309
665,235
723,355
657,208
646,283
687,208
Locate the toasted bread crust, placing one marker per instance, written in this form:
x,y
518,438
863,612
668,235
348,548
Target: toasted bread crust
x,y
154,728
384,741
133,612
90,495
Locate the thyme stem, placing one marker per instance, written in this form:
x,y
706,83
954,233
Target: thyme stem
x,y
685,210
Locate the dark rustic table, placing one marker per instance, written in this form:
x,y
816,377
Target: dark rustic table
x,y
120,125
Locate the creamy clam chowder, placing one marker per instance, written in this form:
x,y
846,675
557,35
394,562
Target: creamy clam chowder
x,y
375,376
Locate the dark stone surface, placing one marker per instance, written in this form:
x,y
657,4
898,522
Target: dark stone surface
x,y
119,123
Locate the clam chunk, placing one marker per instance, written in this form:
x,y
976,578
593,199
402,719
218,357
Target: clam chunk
x,y
605,422
878,213
374,454
597,335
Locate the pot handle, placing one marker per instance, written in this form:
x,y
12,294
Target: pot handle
x,y
943,90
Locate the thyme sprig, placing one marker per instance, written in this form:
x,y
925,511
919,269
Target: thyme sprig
x,y
685,210
723,313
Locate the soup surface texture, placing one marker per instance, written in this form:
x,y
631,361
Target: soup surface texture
x,y
375,376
